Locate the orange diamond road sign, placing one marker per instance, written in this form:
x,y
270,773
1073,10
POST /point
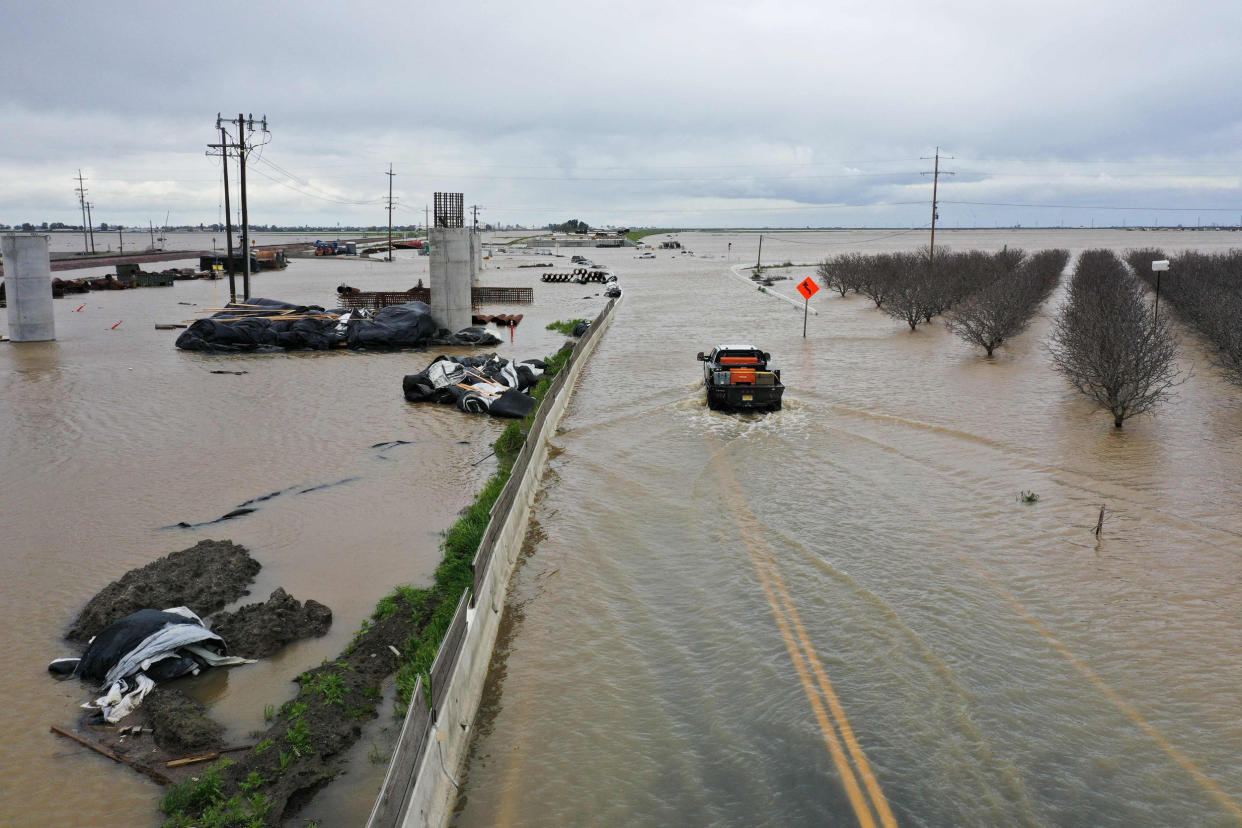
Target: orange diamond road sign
x,y
808,288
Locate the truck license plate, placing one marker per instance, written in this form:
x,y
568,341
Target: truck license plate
x,y
748,397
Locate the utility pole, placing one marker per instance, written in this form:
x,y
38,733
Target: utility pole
x,y
245,216
245,127
151,230
390,175
228,210
475,209
759,258
120,238
90,223
935,174
427,221
81,191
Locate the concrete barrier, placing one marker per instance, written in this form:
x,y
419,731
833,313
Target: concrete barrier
x,y
421,784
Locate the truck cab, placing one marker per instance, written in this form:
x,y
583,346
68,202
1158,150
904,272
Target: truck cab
x,y
740,377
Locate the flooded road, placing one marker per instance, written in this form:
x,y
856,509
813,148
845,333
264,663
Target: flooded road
x,y
842,613
109,434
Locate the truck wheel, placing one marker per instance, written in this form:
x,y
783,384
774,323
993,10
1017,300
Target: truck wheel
x,y
776,406
711,404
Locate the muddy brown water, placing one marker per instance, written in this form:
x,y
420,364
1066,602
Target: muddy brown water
x,y
700,587
109,434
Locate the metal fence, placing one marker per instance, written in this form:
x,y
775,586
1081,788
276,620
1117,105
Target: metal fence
x,y
374,300
502,295
380,299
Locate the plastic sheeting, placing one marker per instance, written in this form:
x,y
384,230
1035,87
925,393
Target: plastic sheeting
x,y
258,326
144,648
477,385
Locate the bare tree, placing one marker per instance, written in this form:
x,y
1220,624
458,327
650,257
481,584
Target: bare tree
x,y
878,278
911,288
1107,343
844,273
1004,307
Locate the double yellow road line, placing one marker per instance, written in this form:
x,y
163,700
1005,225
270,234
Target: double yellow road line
x,y
861,787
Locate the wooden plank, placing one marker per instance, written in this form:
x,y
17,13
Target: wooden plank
x,y
115,757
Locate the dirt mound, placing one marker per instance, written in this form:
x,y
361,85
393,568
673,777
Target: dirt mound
x,y
303,748
205,578
259,630
178,723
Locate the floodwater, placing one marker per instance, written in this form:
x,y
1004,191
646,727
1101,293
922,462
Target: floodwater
x,y
109,434
843,613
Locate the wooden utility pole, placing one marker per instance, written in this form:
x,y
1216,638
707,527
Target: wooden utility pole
x,y
245,126
759,258
427,221
245,216
228,214
81,191
475,209
935,174
224,146
90,224
390,175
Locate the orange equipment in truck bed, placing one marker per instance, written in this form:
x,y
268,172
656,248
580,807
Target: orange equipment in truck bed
x,y
736,361
742,376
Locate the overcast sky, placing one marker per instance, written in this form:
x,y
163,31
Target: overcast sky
x,y
688,114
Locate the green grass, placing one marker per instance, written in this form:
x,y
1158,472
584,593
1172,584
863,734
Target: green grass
x,y
298,737
200,802
564,326
639,235
329,685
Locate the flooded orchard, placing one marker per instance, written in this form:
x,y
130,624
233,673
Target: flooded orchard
x,y
845,611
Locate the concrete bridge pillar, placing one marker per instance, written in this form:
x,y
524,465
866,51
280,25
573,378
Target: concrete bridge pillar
x,y
452,275
28,287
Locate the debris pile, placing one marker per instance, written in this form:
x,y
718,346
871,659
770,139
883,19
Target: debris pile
x,y
477,384
131,647
271,325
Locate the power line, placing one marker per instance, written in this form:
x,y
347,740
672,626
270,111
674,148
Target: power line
x,y
1098,207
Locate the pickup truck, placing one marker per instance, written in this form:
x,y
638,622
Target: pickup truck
x,y
740,377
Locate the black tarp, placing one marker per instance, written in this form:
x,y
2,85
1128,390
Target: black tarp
x,y
250,328
122,637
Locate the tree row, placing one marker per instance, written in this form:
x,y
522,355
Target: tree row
x,y
1206,291
986,298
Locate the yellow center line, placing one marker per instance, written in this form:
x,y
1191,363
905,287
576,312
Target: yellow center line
x,y
847,732
802,653
852,791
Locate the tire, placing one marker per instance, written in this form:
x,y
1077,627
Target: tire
x,y
776,406
711,404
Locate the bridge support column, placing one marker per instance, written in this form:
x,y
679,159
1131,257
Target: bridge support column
x,y
28,287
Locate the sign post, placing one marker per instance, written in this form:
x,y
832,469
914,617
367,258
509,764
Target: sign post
x,y
807,288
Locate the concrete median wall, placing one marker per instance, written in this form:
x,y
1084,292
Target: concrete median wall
x,y
421,785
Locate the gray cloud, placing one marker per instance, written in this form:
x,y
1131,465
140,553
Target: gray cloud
x,y
698,113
